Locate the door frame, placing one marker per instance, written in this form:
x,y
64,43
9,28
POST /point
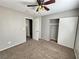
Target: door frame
x,y
30,27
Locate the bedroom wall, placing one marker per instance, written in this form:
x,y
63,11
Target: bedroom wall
x,y
45,29
69,13
12,28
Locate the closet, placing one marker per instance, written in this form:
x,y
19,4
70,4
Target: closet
x,y
53,29
62,30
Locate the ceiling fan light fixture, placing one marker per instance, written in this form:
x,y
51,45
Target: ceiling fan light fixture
x,y
40,8
42,5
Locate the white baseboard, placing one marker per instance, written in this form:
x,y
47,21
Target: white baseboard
x,y
75,54
12,45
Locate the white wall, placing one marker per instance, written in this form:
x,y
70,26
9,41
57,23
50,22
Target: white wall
x,y
70,13
45,29
37,28
12,28
77,43
67,31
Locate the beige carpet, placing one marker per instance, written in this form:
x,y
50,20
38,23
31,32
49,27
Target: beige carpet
x,y
38,50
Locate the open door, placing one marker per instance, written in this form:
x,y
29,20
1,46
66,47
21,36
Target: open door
x,y
29,29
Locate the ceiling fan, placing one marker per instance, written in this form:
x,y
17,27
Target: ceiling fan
x,y
41,4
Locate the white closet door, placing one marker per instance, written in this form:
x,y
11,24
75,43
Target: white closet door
x,y
67,31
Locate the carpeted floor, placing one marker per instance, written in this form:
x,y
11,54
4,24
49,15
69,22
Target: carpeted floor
x,y
38,50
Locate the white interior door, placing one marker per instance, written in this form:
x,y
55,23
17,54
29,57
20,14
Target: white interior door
x,y
36,28
67,31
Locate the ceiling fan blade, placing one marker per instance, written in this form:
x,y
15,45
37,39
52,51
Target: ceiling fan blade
x,y
40,2
49,2
31,5
46,8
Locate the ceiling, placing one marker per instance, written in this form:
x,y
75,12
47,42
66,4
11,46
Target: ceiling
x,y
58,6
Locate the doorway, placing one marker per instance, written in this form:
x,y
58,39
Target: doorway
x,y
29,29
53,30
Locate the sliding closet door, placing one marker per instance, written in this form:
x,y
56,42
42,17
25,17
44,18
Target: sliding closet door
x,y
67,31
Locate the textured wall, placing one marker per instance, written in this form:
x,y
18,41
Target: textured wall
x,y
12,28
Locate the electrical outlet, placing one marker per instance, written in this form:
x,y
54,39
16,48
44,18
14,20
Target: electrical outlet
x,y
9,42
